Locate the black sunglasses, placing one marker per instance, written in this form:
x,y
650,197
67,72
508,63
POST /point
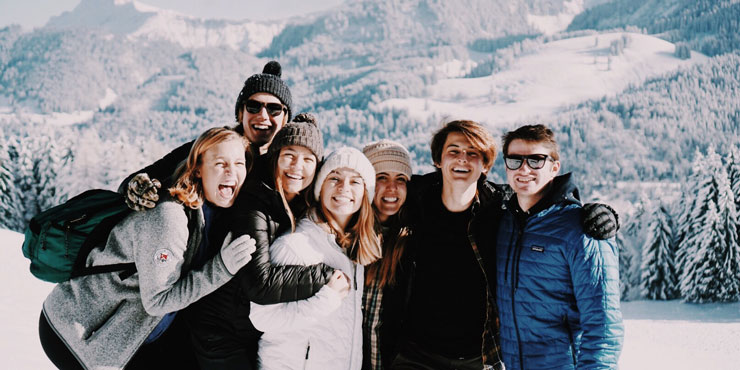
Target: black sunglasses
x,y
273,109
534,161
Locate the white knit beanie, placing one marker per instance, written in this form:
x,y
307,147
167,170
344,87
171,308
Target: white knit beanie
x,y
387,155
349,158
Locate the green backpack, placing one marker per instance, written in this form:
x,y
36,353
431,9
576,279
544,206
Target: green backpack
x,y
58,240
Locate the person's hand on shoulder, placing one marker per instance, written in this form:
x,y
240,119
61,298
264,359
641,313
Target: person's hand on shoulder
x,y
600,221
142,192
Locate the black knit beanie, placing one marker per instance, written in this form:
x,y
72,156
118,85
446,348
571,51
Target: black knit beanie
x,y
268,82
302,131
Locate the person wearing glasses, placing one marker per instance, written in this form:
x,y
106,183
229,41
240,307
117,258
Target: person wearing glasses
x,y
448,317
268,207
262,109
557,287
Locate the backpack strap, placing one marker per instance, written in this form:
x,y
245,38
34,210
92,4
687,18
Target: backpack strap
x,y
127,269
98,236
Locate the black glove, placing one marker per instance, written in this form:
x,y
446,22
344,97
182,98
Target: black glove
x,y
600,221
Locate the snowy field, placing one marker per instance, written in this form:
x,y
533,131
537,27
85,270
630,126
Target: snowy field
x,y
659,335
543,81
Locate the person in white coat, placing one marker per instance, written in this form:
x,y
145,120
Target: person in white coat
x,y
325,331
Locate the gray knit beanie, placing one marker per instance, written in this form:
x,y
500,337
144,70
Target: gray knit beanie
x,y
268,82
302,131
387,155
346,157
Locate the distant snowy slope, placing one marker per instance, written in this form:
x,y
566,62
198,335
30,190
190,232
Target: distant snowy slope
x,y
542,82
20,306
143,22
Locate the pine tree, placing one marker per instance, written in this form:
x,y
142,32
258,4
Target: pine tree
x,y
625,264
6,188
733,172
630,242
658,280
712,273
685,224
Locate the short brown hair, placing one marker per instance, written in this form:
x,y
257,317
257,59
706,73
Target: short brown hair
x,y
534,134
478,136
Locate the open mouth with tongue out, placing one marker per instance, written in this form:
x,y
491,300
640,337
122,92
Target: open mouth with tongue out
x,y
227,189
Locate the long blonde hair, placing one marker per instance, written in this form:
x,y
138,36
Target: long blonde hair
x,y
360,238
188,188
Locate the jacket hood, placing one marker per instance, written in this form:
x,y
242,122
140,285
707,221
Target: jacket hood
x,y
562,190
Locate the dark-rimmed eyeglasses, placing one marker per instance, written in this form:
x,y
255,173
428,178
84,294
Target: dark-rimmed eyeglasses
x,y
273,109
534,161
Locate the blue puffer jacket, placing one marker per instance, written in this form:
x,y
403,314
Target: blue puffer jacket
x,y
557,289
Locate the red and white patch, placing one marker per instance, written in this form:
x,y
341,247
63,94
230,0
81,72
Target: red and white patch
x,y
162,255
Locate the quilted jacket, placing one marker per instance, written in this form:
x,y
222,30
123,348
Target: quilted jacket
x,y
321,332
557,289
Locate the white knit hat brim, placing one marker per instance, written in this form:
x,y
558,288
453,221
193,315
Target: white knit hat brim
x,y
346,157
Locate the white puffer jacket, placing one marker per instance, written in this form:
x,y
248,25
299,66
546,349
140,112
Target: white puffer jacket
x,y
322,332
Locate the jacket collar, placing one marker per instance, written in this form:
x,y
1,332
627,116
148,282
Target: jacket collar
x,y
562,191
429,188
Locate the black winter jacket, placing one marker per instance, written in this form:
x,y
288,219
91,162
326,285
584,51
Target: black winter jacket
x,y
259,212
423,192
220,321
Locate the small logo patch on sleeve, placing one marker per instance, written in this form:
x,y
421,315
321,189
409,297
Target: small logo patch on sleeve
x,y
537,248
162,255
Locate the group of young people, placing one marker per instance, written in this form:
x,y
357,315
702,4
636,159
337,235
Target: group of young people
x,y
254,250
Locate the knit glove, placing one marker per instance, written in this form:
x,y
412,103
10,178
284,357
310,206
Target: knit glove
x,y
600,221
142,192
235,254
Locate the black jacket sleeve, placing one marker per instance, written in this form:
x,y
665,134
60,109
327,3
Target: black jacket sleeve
x,y
266,283
163,169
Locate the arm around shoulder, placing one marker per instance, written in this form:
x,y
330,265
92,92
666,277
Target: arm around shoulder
x,y
162,169
266,282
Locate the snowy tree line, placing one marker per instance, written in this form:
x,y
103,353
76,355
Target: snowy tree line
x,y
687,247
709,26
41,167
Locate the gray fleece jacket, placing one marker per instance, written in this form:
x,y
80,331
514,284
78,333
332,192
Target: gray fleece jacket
x,y
103,319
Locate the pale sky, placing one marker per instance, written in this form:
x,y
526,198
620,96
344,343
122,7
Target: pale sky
x,y
35,13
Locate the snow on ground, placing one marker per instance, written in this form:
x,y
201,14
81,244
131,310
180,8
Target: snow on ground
x,y
540,83
658,335
8,114
20,307
26,114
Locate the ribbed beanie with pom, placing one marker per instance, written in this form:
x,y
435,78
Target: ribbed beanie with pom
x,y
303,131
268,82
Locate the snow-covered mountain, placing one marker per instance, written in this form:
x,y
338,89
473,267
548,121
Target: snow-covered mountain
x,y
547,79
139,21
